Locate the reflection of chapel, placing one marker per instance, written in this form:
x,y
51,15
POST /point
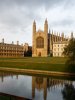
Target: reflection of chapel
x,y
39,83
43,41
46,84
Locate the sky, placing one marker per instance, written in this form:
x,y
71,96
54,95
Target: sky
x,y
17,16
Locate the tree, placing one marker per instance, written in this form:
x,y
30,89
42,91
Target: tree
x,y
69,51
68,92
28,53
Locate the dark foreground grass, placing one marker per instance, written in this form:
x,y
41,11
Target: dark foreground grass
x,y
48,64
4,98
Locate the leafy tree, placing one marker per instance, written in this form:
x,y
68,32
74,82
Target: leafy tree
x,y
28,53
69,51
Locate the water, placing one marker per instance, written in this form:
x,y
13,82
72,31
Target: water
x,y
33,87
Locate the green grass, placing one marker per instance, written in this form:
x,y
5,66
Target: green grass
x,y
38,63
5,98
50,60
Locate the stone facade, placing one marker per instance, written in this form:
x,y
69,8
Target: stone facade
x,y
42,41
14,50
11,50
58,48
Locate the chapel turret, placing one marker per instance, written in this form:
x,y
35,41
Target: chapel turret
x,y
71,35
46,26
34,27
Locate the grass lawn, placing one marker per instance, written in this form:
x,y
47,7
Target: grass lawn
x,y
6,98
37,63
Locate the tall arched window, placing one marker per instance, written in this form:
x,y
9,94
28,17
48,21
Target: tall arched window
x,y
40,42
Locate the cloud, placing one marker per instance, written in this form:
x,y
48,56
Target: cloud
x,y
16,17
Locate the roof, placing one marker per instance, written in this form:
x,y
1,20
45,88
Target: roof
x,y
6,44
61,42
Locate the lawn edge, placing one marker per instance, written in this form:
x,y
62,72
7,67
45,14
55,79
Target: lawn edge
x,y
38,72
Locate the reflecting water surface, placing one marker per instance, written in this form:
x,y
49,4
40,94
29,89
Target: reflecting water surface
x,y
36,87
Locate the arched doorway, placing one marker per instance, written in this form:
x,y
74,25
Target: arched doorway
x,y
39,54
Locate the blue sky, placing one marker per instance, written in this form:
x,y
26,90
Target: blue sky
x,y
17,16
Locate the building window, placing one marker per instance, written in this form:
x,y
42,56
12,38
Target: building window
x,y
40,42
54,49
61,49
61,45
58,54
65,45
54,45
54,54
58,49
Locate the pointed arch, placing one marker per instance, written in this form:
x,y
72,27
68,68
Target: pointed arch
x,y
40,42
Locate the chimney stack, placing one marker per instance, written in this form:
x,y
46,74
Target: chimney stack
x,y
71,35
12,42
17,42
3,40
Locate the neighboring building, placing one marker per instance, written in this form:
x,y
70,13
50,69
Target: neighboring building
x,y
14,50
42,42
58,48
11,50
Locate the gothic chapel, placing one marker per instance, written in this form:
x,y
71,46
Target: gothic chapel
x,y
42,41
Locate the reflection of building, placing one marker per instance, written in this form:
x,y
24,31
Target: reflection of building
x,y
42,43
41,83
5,74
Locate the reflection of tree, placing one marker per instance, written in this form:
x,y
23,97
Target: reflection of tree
x,y
68,92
